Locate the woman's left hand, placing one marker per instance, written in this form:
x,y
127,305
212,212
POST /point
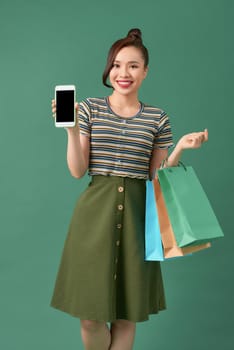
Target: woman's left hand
x,y
193,140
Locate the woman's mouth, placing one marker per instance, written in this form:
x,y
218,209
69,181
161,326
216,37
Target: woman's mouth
x,y
124,83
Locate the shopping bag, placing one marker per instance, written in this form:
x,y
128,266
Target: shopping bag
x,y
191,215
153,243
170,247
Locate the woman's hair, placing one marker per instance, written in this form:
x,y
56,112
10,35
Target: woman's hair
x,y
133,38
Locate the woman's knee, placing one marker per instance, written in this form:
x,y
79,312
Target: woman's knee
x,y
91,326
124,324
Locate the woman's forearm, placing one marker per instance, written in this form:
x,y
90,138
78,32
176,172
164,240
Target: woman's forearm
x,y
189,141
77,152
175,156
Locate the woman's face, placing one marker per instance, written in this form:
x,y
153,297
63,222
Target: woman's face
x,y
128,71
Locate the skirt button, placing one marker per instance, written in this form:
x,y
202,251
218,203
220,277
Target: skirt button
x,y
120,189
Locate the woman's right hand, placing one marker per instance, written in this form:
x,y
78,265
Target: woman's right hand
x,y
78,146
53,107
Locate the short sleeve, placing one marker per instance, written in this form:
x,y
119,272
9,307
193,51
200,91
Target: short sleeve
x,y
84,117
163,138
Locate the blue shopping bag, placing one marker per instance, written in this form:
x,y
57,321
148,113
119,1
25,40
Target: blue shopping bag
x,y
153,242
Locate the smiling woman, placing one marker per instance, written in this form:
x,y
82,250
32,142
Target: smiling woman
x,y
133,40
103,276
128,71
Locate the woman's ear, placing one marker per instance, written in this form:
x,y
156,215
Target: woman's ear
x,y
146,71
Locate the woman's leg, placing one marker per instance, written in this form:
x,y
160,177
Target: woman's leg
x,y
95,335
122,335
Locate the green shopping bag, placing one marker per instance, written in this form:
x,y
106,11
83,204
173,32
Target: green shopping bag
x,y
191,215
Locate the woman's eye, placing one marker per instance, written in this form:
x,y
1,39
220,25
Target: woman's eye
x,y
134,66
115,65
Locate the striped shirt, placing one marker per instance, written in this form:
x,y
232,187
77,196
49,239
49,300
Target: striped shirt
x,y
122,146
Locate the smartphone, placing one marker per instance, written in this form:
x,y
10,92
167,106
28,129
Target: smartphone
x,y
65,96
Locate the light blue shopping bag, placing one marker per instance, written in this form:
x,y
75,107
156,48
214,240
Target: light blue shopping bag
x,y
153,243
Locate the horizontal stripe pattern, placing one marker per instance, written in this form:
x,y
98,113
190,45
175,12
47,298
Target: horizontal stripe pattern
x,y
122,146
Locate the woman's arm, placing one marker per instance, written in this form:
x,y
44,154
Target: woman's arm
x,y
77,152
189,141
193,140
157,157
78,147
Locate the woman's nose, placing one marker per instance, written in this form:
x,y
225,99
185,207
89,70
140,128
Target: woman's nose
x,y
124,72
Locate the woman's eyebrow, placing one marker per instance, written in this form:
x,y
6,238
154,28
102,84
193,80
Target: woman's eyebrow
x,y
117,61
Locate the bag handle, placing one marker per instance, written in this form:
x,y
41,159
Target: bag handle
x,y
164,164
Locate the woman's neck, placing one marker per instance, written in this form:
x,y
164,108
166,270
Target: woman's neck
x,y
124,106
123,101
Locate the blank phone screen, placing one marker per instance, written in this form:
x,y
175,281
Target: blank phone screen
x,y
65,106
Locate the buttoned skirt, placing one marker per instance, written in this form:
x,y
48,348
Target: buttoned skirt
x,y
103,274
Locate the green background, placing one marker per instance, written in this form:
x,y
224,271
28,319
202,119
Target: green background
x,y
49,42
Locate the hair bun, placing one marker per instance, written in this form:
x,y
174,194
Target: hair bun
x,y
134,33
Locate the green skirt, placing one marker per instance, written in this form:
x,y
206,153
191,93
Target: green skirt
x,y
103,275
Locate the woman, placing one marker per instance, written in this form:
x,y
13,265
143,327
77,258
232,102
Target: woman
x,y
103,277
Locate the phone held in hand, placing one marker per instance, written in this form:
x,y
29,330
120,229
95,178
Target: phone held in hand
x,y
65,96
